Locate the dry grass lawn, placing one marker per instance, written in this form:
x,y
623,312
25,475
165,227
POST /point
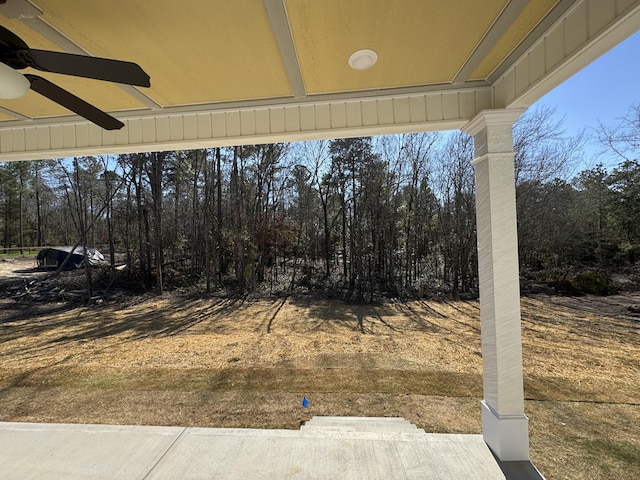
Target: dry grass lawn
x,y
248,363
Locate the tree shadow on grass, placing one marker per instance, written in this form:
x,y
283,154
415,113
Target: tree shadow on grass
x,y
331,316
339,315
275,313
66,323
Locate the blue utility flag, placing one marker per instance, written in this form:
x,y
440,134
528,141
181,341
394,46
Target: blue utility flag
x,y
305,402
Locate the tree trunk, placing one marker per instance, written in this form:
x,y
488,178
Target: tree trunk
x,y
108,212
219,223
156,168
21,201
36,184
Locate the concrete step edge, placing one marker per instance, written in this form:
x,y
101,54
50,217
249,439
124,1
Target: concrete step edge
x,y
322,418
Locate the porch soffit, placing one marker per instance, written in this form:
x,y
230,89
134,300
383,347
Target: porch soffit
x,y
250,71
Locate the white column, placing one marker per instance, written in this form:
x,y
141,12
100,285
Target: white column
x,y
504,424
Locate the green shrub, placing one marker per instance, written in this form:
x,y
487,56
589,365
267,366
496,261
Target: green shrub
x,y
594,283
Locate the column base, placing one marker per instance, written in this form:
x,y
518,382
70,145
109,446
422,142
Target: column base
x,y
506,435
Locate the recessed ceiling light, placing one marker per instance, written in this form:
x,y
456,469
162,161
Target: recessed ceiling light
x,y
363,59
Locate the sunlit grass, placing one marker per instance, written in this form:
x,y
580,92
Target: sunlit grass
x,y
248,363
16,253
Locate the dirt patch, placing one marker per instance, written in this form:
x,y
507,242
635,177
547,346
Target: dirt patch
x,y
247,363
17,268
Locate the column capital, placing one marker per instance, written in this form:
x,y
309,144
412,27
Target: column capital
x,y
506,116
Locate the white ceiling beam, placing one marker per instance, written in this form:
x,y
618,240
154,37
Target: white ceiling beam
x,y
277,14
495,33
20,9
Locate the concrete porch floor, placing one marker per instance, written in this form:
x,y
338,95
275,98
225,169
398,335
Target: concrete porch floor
x,y
324,448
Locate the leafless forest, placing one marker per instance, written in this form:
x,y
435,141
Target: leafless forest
x,y
391,215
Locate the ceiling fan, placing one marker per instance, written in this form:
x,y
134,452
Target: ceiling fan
x,y
16,55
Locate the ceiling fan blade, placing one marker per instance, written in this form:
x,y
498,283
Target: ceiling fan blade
x,y
73,103
85,66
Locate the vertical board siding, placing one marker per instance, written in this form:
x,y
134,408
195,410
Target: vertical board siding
x,y
56,137
31,139
435,112
218,124
585,32
417,108
599,14
338,115
401,111
247,123
163,129
450,105
307,118
276,120
385,111
370,112
232,122
44,139
354,114
262,122
576,29
358,117
292,119
204,125
323,116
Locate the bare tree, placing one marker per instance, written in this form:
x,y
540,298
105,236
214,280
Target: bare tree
x,y
455,189
544,154
623,138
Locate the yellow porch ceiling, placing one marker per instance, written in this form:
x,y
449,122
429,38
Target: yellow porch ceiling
x,y
199,51
417,42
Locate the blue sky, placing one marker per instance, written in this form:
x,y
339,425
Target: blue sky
x,y
603,91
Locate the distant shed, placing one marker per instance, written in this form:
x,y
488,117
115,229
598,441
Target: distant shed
x,y
54,257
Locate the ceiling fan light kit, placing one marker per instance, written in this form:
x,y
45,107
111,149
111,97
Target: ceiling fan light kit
x,y
12,83
16,55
